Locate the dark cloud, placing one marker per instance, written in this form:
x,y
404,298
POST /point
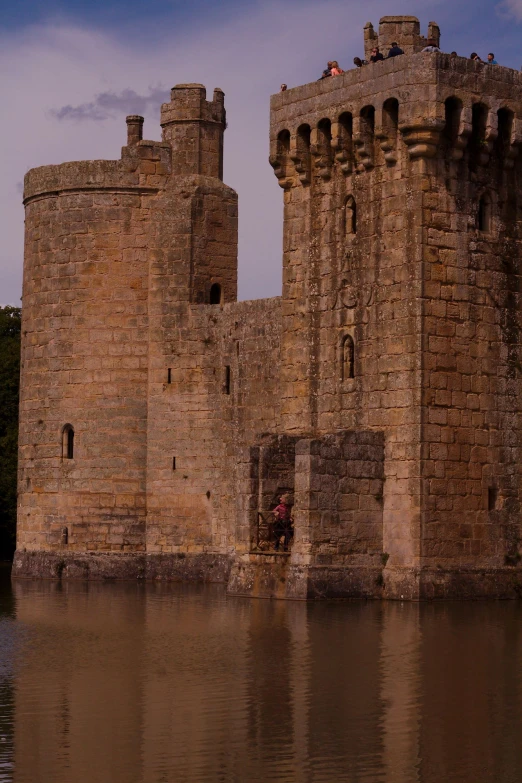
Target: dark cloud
x,y
109,104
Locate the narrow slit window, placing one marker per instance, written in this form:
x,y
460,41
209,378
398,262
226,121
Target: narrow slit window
x,y
169,375
68,442
215,294
348,358
492,498
227,379
350,217
173,463
484,214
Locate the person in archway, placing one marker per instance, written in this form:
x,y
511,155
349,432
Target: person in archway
x,y
283,523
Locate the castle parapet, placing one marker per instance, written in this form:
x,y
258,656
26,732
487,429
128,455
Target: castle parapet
x,y
403,30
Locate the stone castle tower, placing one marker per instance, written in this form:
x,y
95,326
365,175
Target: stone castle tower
x,y
161,418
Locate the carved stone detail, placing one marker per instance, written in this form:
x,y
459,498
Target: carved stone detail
x,y
422,141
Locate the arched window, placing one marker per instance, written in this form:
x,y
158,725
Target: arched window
x,y
505,130
348,358
368,123
344,152
215,294
453,112
301,157
283,143
350,217
390,117
68,442
477,143
484,214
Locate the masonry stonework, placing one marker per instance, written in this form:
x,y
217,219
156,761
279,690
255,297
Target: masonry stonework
x,y
381,391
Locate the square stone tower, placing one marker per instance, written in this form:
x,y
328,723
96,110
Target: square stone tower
x,y
401,301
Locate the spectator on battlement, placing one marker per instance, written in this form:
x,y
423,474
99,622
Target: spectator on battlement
x,y
327,71
359,63
474,56
432,46
491,59
335,70
395,50
284,87
376,55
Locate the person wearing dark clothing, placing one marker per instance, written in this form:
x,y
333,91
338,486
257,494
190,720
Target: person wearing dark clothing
x,y
376,55
474,56
359,63
395,50
327,71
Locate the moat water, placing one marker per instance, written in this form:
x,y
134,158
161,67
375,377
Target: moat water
x,y
127,683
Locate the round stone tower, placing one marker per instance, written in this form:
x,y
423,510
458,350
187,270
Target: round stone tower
x,y
106,242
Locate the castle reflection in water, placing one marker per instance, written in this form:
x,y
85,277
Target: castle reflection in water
x,y
119,683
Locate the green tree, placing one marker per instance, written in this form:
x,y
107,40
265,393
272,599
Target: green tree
x,y
10,328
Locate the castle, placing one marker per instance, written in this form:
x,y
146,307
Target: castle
x,y
161,419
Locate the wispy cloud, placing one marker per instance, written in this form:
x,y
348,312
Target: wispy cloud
x,y
110,104
512,8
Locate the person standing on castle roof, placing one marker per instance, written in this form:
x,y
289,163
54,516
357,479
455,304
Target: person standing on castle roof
x,y
327,71
491,59
474,56
335,70
395,50
376,55
359,63
432,46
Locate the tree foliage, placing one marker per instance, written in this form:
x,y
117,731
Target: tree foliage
x,y
10,327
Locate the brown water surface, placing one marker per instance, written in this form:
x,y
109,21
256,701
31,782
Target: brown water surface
x,y
132,683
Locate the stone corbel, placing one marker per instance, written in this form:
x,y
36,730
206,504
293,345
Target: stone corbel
x,y
279,164
341,146
301,160
318,151
422,140
386,139
363,148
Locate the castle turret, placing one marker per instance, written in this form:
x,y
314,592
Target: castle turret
x,y
403,30
194,128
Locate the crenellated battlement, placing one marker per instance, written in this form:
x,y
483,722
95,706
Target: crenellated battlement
x,y
403,30
406,100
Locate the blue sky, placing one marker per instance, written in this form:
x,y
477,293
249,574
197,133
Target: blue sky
x,y
57,58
